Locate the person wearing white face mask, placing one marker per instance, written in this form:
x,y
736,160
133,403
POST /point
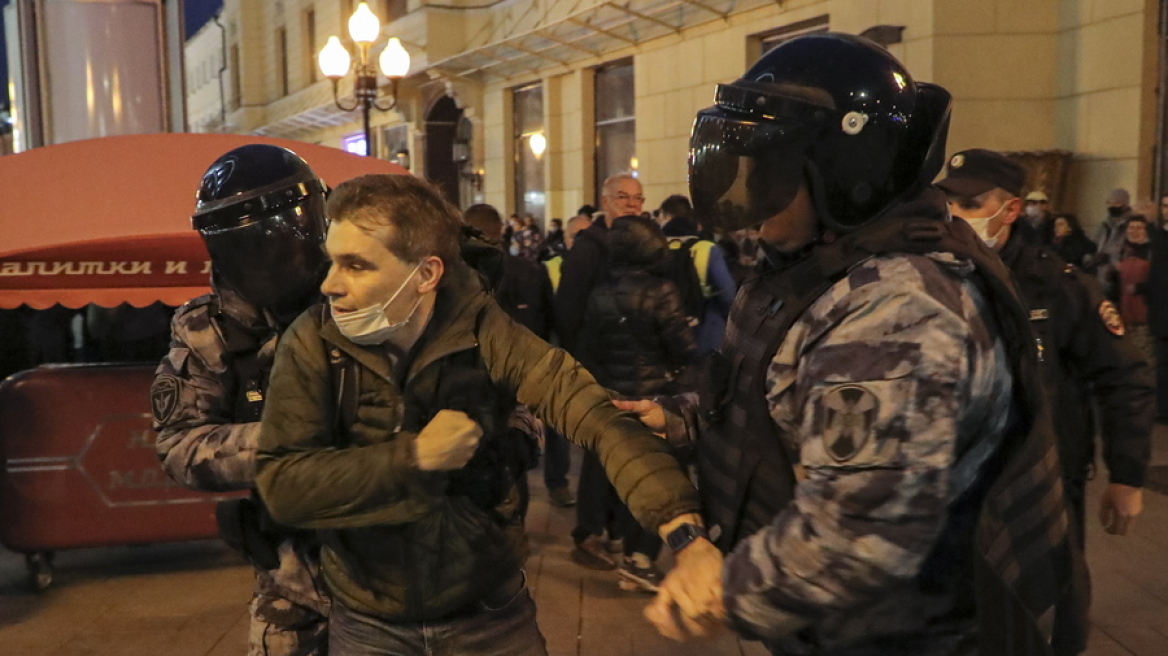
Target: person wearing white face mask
x,y
1083,352
385,431
1039,218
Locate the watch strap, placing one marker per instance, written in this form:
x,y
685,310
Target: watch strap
x,y
682,536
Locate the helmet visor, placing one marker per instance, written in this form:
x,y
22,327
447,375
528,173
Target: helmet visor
x,y
276,262
742,172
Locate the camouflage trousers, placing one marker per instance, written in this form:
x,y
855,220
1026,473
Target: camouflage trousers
x,y
290,606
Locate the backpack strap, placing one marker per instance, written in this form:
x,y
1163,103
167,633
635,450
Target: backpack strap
x,y
343,374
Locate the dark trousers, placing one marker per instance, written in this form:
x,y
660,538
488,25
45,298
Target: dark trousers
x,y
507,630
1071,622
1161,346
596,500
557,459
637,539
1074,489
598,507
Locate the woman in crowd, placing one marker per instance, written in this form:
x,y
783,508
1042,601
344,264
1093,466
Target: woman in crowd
x,y
1134,269
1070,242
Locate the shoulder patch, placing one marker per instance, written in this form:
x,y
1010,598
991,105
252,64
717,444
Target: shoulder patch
x,y
1111,318
164,395
850,413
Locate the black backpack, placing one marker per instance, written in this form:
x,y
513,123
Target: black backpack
x,y
679,267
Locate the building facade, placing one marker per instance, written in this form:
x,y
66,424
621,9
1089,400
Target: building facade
x,y
529,104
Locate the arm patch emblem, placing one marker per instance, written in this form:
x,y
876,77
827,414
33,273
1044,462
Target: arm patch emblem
x,y
164,396
1111,319
850,413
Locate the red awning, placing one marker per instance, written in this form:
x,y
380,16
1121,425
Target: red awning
x,y
108,272
107,220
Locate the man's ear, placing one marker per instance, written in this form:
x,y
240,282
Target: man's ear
x,y
1013,210
430,273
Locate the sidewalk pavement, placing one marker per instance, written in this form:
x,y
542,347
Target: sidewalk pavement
x,y
190,599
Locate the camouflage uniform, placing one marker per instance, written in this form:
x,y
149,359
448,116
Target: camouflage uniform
x,y
899,352
874,391
202,445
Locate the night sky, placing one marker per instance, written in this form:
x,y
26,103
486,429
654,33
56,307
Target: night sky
x,y
198,12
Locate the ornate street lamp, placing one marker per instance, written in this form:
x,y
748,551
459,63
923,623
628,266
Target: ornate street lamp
x,y
394,62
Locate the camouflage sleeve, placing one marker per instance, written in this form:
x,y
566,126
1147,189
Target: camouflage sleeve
x,y
873,405
682,426
192,401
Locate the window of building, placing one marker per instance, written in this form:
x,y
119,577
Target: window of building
x,y
354,143
395,141
766,41
236,87
310,44
530,142
282,61
394,9
616,124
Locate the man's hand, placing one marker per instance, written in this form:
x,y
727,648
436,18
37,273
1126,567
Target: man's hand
x,y
689,601
650,413
447,442
1119,507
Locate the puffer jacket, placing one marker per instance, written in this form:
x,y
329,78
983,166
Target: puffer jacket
x,y
637,338
396,542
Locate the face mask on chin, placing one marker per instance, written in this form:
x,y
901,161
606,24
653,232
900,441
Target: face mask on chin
x,y
981,227
369,325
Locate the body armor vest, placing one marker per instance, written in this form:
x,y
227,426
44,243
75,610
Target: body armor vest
x,y
248,360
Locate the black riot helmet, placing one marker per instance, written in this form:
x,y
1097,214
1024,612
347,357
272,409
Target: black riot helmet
x,y
834,109
260,211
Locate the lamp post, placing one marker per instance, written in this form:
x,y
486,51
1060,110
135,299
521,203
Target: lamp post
x,y
394,62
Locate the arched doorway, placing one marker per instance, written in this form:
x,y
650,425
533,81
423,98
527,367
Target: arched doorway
x,y
442,167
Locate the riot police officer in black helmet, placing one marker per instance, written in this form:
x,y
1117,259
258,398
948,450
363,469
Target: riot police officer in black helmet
x,y
881,353
260,211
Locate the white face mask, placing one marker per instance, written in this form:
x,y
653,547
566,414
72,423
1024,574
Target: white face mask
x,y
369,325
1033,211
980,226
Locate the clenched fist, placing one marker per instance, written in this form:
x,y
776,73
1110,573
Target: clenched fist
x,y
447,442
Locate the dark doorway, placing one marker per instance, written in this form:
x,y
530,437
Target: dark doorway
x,y
441,133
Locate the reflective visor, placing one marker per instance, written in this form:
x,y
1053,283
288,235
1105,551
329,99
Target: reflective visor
x,y
742,172
274,261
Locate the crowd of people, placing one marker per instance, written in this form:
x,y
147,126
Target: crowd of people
x,y
875,456
1128,254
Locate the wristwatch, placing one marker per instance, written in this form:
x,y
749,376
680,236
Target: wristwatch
x,y
681,537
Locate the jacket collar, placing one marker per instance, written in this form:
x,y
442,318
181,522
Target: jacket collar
x,y
929,204
451,328
1013,249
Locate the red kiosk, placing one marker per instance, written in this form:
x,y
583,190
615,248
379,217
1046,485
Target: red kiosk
x,y
104,221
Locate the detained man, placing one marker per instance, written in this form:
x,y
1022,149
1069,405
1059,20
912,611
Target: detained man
x,y
385,431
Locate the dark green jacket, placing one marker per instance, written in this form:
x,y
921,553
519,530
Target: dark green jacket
x,y
395,544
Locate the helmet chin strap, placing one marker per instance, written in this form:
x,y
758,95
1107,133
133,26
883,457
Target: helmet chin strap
x,y
815,186
777,260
